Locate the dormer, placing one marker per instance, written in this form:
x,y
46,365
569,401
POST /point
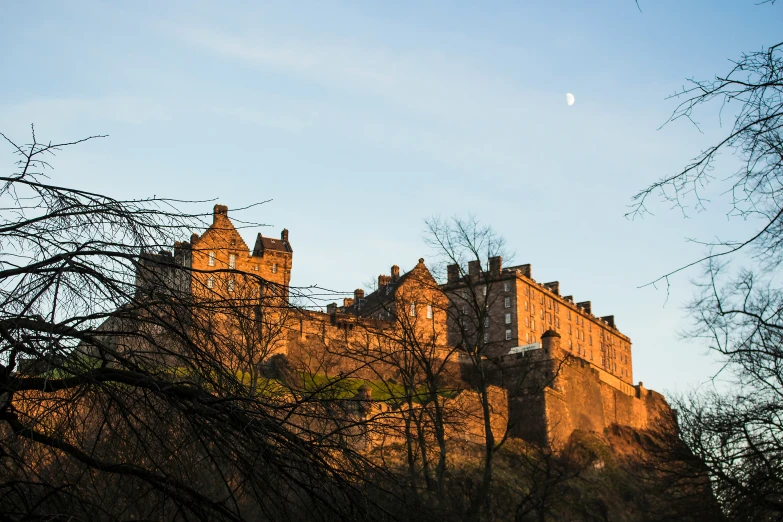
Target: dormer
x,y
267,244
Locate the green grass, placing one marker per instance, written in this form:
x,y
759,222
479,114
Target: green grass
x,y
319,385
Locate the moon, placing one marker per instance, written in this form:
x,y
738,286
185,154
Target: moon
x,y
570,98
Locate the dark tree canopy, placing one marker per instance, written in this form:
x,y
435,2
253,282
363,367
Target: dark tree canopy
x,y
115,401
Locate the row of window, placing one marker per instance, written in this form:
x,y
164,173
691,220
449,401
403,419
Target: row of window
x,y
229,284
413,310
552,304
487,337
507,320
232,262
580,350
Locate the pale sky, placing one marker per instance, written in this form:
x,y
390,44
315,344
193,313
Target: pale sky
x,y
359,120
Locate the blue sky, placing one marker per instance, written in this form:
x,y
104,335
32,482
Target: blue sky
x,y
359,120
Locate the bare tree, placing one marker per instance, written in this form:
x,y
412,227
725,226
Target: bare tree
x,y
469,246
407,349
737,429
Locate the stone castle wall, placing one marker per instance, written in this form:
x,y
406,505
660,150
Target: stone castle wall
x,y
547,393
554,393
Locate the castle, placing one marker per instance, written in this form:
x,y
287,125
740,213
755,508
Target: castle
x,y
561,367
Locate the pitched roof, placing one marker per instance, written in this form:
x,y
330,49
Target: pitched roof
x,y
270,243
385,294
222,230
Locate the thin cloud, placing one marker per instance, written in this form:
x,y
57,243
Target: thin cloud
x,y
427,81
121,109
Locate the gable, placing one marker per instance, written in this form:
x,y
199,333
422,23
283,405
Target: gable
x,y
222,235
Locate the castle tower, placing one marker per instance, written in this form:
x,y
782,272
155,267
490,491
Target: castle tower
x,y
221,248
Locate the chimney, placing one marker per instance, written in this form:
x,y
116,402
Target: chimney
x,y
527,270
474,268
284,235
608,319
395,273
495,265
383,280
569,298
553,287
452,273
347,302
358,294
331,308
586,306
193,238
219,210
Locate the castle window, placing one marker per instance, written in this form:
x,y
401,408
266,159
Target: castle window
x,y
550,304
507,286
210,282
486,337
508,318
484,291
232,261
255,267
464,310
486,322
542,314
569,315
527,322
557,322
569,329
508,335
541,299
557,308
211,261
570,344
413,310
532,294
527,337
274,268
590,340
507,302
526,306
429,311
230,285
532,323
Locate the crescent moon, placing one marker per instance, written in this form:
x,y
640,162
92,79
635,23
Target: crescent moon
x,y
570,98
